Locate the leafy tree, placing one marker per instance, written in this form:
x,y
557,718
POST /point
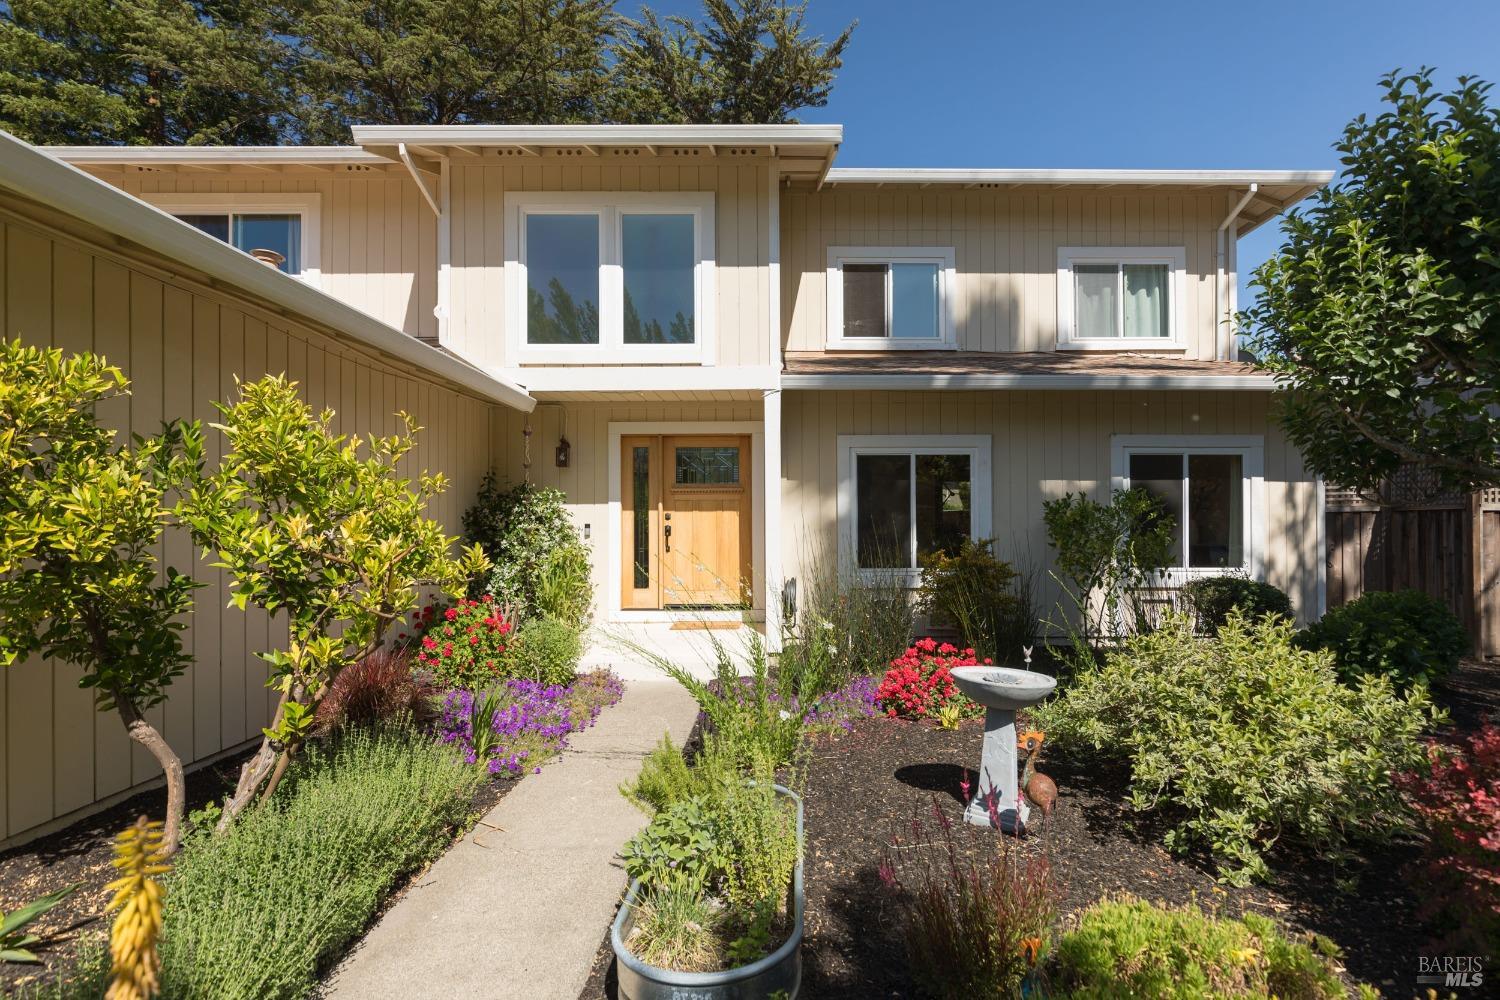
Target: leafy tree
x,y
1107,552
80,527
319,527
1381,311
445,62
750,62
138,71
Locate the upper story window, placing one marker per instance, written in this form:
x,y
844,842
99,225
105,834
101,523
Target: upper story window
x,y
1210,485
619,277
1115,298
277,228
890,298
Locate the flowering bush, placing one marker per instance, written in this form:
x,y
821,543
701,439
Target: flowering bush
x,y
1458,804
858,699
464,645
520,723
919,683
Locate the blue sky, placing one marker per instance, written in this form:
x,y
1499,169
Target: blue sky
x,y
1163,83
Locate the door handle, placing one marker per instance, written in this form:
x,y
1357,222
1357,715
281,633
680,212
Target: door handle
x,y
667,535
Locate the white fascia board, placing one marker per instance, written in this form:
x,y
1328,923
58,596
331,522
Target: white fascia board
x,y
39,177
1195,178
997,380
228,155
648,378
598,135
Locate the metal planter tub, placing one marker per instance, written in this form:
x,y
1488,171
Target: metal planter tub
x,y
777,974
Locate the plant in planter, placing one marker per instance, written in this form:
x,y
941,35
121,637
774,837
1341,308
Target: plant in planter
x,y
715,904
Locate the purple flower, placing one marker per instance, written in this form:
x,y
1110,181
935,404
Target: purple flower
x,y
525,719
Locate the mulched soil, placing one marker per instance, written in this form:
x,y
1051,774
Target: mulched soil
x,y
864,785
82,853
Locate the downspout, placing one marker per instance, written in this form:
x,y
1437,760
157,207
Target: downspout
x,y
1224,299
438,202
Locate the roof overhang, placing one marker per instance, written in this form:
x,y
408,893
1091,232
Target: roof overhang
x,y
46,180
803,152
222,159
991,380
1277,190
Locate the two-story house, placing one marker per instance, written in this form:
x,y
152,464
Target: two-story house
x,y
741,361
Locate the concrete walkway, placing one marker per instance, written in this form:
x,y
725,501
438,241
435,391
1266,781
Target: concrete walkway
x,y
518,908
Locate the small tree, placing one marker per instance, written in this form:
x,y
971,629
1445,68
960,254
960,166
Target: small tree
x,y
80,525
1106,553
322,528
1381,311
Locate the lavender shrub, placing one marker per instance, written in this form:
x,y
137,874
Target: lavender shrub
x,y
529,722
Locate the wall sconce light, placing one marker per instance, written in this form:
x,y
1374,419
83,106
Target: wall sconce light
x,y
563,452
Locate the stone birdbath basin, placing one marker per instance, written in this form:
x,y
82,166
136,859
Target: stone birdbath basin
x,y
1001,690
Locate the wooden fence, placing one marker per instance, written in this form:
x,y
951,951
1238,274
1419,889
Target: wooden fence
x,y
1443,544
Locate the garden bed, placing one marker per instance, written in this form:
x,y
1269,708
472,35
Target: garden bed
x,y
82,853
866,784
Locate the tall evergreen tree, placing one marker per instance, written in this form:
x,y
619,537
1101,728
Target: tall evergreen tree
x,y
138,71
750,62
446,62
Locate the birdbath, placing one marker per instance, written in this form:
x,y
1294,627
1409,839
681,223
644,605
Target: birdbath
x,y
1001,690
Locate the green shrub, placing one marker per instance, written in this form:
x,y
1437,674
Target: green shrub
x,y
1130,948
540,565
255,913
844,628
665,778
1105,554
547,650
1211,598
979,593
1243,737
1407,636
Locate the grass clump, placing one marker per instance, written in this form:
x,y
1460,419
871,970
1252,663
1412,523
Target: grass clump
x,y
1131,948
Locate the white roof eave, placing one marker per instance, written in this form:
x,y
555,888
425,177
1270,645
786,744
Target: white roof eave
x,y
602,135
1185,178
45,179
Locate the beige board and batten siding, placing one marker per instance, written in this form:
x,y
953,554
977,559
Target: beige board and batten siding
x,y
741,236
586,481
182,342
1005,246
1043,444
378,236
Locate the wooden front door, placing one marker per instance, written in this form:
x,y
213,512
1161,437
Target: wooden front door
x,y
685,505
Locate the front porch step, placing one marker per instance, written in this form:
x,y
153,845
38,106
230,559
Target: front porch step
x,y
625,648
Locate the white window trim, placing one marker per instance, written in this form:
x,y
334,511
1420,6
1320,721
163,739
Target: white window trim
x,y
1252,451
609,206
1067,333
307,204
976,446
943,257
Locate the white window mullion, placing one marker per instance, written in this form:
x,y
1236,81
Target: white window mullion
x,y
1120,300
911,532
1186,512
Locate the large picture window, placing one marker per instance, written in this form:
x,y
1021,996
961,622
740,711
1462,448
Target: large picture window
x,y
611,278
1116,298
1209,485
903,498
890,298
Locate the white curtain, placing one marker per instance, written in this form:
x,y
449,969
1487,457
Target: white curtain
x,y
1145,300
1094,290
